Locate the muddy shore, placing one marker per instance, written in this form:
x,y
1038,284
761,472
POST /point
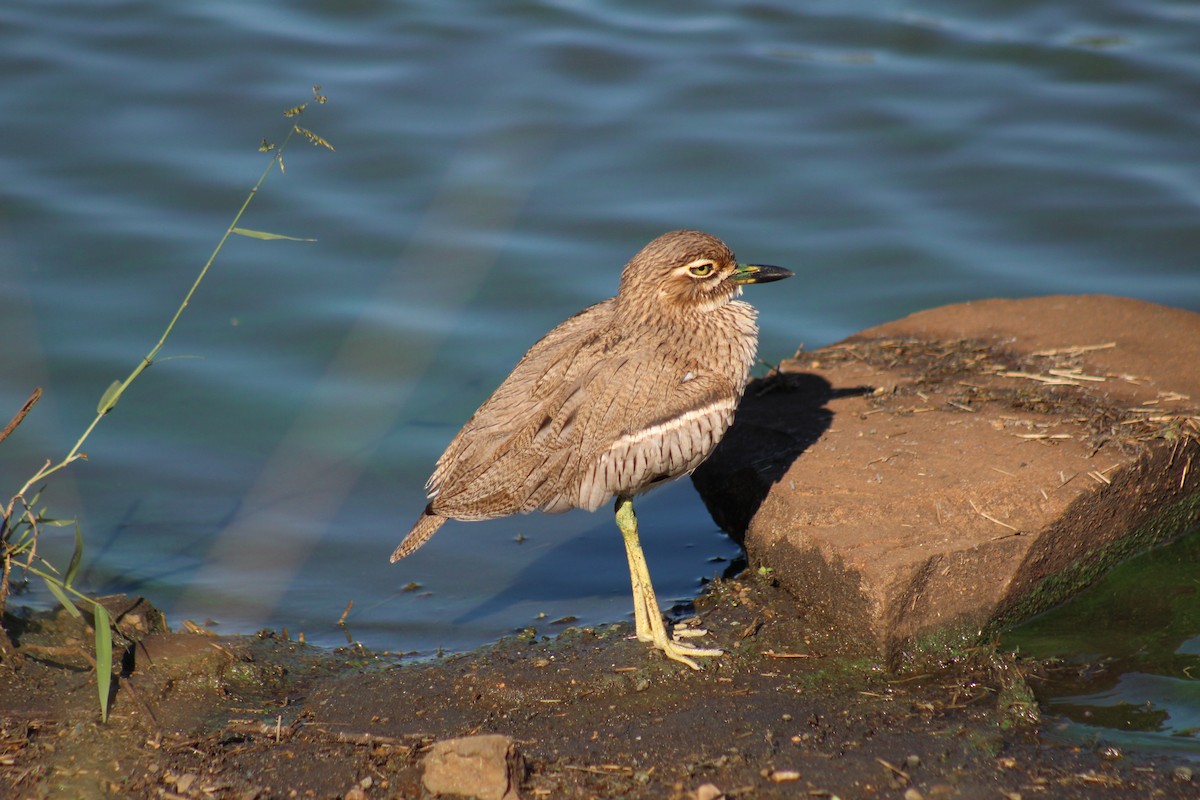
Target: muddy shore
x,y
791,710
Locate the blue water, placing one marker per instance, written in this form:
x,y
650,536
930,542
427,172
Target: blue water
x,y
1128,655
496,165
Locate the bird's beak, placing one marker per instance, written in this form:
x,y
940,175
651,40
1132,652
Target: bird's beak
x,y
759,273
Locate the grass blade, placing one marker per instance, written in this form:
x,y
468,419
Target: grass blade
x,y
268,236
57,590
76,557
55,523
103,656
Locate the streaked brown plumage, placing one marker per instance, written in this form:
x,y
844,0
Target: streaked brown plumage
x,y
624,395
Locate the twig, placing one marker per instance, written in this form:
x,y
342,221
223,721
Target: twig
x,y
606,769
773,654
20,415
1051,380
1075,374
131,690
1075,350
368,739
990,518
899,772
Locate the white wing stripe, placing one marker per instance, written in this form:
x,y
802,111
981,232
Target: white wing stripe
x,y
659,430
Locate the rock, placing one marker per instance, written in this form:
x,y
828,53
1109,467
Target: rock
x,y
134,617
968,466
486,767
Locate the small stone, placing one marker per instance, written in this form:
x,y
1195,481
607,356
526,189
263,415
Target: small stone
x,y
356,793
784,775
486,767
912,794
708,791
185,783
912,762
1183,774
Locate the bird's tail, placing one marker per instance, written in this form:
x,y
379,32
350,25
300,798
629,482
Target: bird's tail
x,y
426,526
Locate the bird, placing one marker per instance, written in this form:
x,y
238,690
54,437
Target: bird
x,y
625,395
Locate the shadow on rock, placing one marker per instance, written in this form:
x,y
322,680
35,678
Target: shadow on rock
x,y
779,418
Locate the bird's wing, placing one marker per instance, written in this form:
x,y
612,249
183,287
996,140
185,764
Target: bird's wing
x,y
499,432
649,417
585,415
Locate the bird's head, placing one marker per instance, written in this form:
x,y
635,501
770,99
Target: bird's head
x,y
690,271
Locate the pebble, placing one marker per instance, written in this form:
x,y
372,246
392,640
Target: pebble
x,y
486,767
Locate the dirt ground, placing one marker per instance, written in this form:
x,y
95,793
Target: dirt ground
x,y
789,711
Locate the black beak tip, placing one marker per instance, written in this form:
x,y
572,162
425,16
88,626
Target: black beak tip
x,y
766,273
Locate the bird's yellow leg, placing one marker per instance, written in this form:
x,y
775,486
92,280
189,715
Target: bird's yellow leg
x,y
648,619
639,574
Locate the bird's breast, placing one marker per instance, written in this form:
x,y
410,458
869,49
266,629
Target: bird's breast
x,y
730,342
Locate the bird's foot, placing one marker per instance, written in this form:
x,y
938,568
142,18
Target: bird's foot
x,y
672,647
683,653
654,633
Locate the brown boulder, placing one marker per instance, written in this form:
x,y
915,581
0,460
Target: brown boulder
x,y
964,467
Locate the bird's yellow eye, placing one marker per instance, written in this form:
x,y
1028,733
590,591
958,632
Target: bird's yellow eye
x,y
702,269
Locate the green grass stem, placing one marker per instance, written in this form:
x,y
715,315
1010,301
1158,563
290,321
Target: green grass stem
x,y
21,522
